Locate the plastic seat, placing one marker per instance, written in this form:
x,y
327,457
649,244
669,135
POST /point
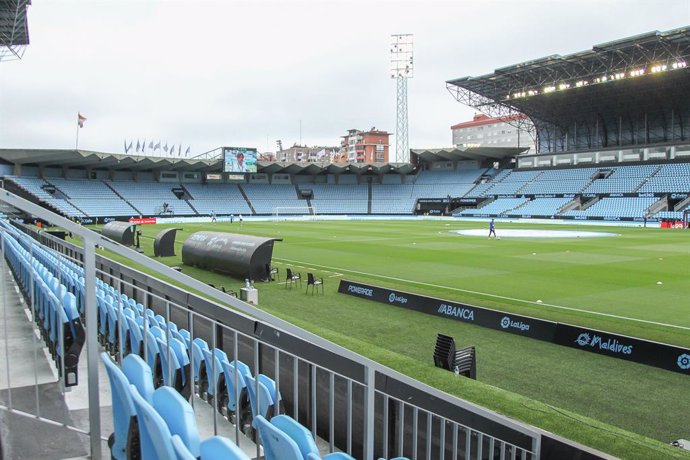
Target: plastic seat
x,y
261,402
199,361
178,416
277,445
139,374
213,448
292,277
123,409
332,456
154,434
304,439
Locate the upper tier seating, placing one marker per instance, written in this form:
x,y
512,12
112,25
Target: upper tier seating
x,y
266,197
33,186
541,207
615,208
148,197
219,198
93,197
497,207
341,198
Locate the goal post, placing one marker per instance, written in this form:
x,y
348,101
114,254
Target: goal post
x,y
282,211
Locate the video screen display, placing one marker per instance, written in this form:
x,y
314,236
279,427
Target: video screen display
x,y
239,160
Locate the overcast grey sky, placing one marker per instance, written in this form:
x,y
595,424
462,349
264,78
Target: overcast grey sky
x,y
212,73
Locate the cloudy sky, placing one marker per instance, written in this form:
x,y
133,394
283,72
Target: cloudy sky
x,y
246,73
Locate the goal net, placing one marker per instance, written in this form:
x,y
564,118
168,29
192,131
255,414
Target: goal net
x,y
284,211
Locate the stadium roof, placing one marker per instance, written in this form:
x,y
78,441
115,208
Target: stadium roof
x,y
99,160
626,71
14,28
467,153
115,161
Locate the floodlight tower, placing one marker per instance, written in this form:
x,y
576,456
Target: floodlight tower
x,y
402,68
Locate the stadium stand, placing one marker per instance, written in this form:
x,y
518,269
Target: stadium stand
x,y
93,197
148,197
541,207
339,199
497,207
35,187
615,208
218,198
265,198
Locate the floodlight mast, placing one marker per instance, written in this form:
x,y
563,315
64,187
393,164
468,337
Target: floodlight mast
x,y
402,68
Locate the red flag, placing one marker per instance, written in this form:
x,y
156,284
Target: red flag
x,y
80,120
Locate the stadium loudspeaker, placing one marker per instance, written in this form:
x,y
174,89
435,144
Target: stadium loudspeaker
x,y
444,352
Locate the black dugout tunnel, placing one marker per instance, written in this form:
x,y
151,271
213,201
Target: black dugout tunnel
x,y
240,256
164,244
121,232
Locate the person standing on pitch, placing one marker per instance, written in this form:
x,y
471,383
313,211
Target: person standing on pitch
x,y
492,229
213,216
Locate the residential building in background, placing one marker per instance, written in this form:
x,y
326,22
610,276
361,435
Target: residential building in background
x,y
302,153
364,146
484,131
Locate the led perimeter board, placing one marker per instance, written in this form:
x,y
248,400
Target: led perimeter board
x,y
239,160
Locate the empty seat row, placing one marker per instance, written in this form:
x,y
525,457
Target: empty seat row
x,y
55,307
160,415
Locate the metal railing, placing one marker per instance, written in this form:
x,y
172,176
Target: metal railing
x,y
353,403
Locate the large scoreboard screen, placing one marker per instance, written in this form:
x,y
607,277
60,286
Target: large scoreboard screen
x,y
239,160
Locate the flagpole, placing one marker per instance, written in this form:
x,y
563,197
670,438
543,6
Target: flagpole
x,y
76,147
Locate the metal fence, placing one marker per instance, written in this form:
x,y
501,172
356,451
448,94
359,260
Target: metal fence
x,y
354,404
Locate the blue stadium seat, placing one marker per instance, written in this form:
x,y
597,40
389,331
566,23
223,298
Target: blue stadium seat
x,y
178,416
138,374
277,444
154,434
220,448
304,439
123,410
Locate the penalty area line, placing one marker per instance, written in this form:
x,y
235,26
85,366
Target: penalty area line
x,y
495,296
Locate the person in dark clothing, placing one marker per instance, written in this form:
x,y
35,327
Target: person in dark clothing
x,y
492,229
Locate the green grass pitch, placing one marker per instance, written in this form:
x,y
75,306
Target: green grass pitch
x,y
626,409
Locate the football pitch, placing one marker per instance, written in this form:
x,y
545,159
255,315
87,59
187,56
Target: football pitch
x,y
635,283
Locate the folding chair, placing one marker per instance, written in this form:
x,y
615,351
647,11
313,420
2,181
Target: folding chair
x,y
291,278
314,282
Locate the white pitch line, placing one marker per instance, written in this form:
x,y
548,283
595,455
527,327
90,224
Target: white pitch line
x,y
579,310
333,276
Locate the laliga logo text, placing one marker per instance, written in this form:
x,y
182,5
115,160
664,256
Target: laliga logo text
x,y
506,322
396,298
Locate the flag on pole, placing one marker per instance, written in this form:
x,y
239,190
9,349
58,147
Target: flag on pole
x,y
80,119
172,149
187,151
179,150
151,144
129,147
138,145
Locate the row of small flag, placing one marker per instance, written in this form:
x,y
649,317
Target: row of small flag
x,y
141,146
